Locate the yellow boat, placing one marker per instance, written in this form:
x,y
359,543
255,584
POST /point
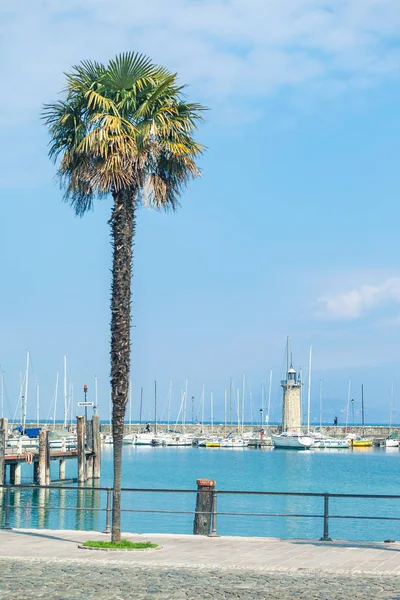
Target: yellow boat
x,y
361,443
213,444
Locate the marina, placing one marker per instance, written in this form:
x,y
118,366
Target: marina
x,y
266,470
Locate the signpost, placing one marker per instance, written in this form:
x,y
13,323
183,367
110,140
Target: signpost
x,y
85,404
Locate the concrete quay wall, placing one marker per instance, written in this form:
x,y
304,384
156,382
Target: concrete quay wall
x,y
376,432
372,431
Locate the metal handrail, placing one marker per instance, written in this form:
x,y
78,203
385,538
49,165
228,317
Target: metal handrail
x,y
213,513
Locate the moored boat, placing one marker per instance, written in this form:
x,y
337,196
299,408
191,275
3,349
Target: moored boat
x,y
361,443
292,440
391,443
330,443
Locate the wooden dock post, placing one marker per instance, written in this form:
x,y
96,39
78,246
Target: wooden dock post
x,y
96,446
36,478
82,472
2,451
15,473
89,447
204,506
62,469
44,456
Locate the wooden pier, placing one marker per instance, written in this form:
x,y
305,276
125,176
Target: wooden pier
x,y
88,455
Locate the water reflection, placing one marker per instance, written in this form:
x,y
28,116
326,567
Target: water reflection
x,y
365,470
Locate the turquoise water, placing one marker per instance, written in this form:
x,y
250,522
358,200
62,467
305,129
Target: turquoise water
x,y
363,470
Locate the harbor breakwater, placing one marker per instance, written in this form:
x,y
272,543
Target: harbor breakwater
x,y
376,432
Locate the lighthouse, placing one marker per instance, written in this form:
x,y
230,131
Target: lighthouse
x,y
291,410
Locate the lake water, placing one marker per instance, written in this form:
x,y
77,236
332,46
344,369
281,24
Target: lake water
x,y
359,471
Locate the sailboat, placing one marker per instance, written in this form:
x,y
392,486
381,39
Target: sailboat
x,y
362,442
392,441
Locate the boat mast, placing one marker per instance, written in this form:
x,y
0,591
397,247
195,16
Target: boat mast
x,y
155,407
262,397
362,407
251,405
320,403
225,399
141,405
37,404
230,401
184,407
391,408
238,408
130,404
269,395
243,393
309,392
26,393
202,410
348,404
169,403
65,393
212,412
71,401
55,402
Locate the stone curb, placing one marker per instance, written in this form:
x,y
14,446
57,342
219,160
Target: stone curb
x,y
83,547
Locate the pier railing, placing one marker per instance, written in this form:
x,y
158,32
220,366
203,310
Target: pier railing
x,y
8,505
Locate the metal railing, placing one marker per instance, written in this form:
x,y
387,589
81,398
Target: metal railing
x,y
8,506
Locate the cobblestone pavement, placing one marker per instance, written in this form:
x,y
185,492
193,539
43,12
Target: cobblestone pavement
x,y
53,579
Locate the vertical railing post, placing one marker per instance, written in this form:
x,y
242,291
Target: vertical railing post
x,y
214,515
108,512
326,537
7,507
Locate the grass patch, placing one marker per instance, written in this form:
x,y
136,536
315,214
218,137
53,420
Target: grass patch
x,y
123,544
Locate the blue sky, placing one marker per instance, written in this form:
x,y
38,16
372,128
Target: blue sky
x,y
292,230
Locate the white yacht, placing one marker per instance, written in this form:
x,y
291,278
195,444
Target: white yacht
x,y
22,441
233,443
294,440
107,439
391,443
171,439
326,442
145,439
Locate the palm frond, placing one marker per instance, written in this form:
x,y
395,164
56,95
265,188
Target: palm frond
x,y
124,125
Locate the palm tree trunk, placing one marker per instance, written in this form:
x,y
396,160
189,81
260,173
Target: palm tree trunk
x,y
122,231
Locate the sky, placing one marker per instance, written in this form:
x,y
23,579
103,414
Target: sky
x,y
292,230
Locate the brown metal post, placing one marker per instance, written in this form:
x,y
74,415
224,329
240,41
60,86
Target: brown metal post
x,y
82,474
96,446
204,506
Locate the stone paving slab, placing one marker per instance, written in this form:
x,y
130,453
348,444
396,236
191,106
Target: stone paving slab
x,y
258,554
36,564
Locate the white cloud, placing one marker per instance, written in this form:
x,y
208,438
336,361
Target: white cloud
x,y
224,48
360,301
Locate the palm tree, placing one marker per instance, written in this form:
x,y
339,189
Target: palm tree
x,y
123,129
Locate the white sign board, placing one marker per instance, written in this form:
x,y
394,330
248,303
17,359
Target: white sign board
x,y
85,403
